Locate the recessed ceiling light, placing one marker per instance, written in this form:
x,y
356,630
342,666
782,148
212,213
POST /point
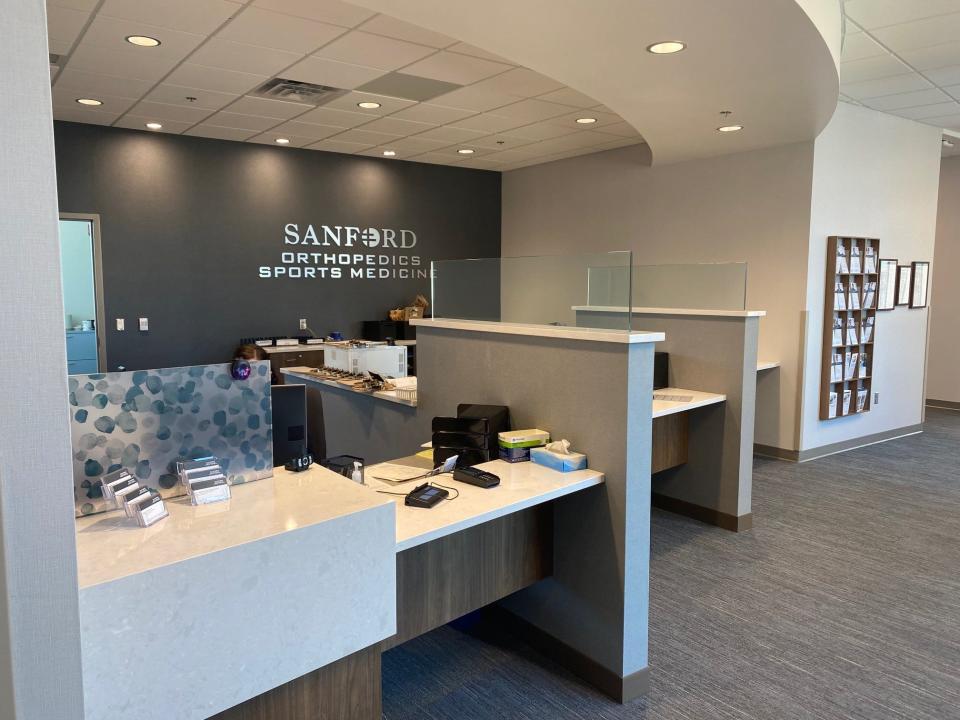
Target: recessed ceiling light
x,y
730,128
89,101
142,40
667,47
586,120
368,105
389,153
282,141
465,151
154,126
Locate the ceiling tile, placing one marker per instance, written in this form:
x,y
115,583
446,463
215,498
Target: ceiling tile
x,y
621,129
111,32
954,91
456,68
905,100
225,118
323,71
438,158
872,14
395,126
405,147
216,79
400,30
139,122
520,82
432,114
270,138
119,63
339,146
329,11
66,98
256,26
538,131
332,116
387,104
453,152
481,163
178,94
241,57
920,33
944,76
873,68
364,136
568,96
500,142
582,139
450,134
196,16
474,51
928,111
488,123
951,122
934,57
469,98
569,119
162,111
86,5
306,130
885,86
368,50
279,109
220,133
531,110
84,115
86,84
860,46
64,26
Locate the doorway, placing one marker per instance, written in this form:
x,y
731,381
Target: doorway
x,y
82,279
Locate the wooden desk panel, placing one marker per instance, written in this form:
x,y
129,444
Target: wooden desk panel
x,y
670,441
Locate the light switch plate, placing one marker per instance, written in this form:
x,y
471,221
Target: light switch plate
x,y
303,323
121,326
144,324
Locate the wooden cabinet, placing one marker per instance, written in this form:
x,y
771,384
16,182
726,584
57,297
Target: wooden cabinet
x,y
295,358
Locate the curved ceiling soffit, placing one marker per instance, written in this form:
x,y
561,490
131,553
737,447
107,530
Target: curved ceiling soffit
x,y
766,61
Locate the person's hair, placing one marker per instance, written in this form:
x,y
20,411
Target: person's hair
x,y
250,352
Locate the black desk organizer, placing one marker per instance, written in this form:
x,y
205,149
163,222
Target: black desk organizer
x,y
472,435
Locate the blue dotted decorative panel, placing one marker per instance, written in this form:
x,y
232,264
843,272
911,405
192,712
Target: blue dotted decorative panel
x,y
147,420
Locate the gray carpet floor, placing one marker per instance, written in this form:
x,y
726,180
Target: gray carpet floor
x,y
842,602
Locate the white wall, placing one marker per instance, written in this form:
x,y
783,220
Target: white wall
x,y
943,367
752,207
874,175
39,619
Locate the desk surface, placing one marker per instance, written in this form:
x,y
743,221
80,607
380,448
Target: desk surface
x,y
696,399
110,546
767,365
522,485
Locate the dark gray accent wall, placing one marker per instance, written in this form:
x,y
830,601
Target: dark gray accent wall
x,y
187,223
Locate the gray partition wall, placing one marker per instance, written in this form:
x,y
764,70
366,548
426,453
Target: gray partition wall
x,y
710,353
596,604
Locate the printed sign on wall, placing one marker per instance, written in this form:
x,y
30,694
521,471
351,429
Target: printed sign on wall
x,y
336,252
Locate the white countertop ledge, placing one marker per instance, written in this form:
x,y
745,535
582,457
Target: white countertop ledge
x,y
698,399
671,311
550,331
767,365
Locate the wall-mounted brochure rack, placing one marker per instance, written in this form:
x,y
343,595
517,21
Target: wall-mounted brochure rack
x,y
850,314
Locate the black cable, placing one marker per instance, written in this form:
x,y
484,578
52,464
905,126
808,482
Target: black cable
x,y
447,487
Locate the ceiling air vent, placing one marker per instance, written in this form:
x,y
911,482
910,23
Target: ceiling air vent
x,y
296,91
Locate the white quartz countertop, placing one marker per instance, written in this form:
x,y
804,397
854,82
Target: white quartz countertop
x,y
552,331
692,399
110,546
303,373
767,365
522,485
670,311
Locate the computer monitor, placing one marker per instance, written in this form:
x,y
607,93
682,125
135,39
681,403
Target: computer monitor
x,y
289,409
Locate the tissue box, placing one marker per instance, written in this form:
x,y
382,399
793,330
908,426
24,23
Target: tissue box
x,y
558,462
523,438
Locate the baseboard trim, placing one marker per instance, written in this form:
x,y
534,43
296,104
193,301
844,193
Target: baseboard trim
x,y
840,447
943,404
776,453
855,443
621,689
734,523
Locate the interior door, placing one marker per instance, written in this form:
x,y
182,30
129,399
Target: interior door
x,y
82,293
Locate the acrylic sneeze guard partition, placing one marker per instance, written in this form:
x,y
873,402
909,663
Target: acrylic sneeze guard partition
x,y
538,290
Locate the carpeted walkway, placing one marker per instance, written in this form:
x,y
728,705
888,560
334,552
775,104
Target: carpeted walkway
x,y
842,602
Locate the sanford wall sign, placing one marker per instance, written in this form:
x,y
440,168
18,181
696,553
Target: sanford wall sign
x,y
344,251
